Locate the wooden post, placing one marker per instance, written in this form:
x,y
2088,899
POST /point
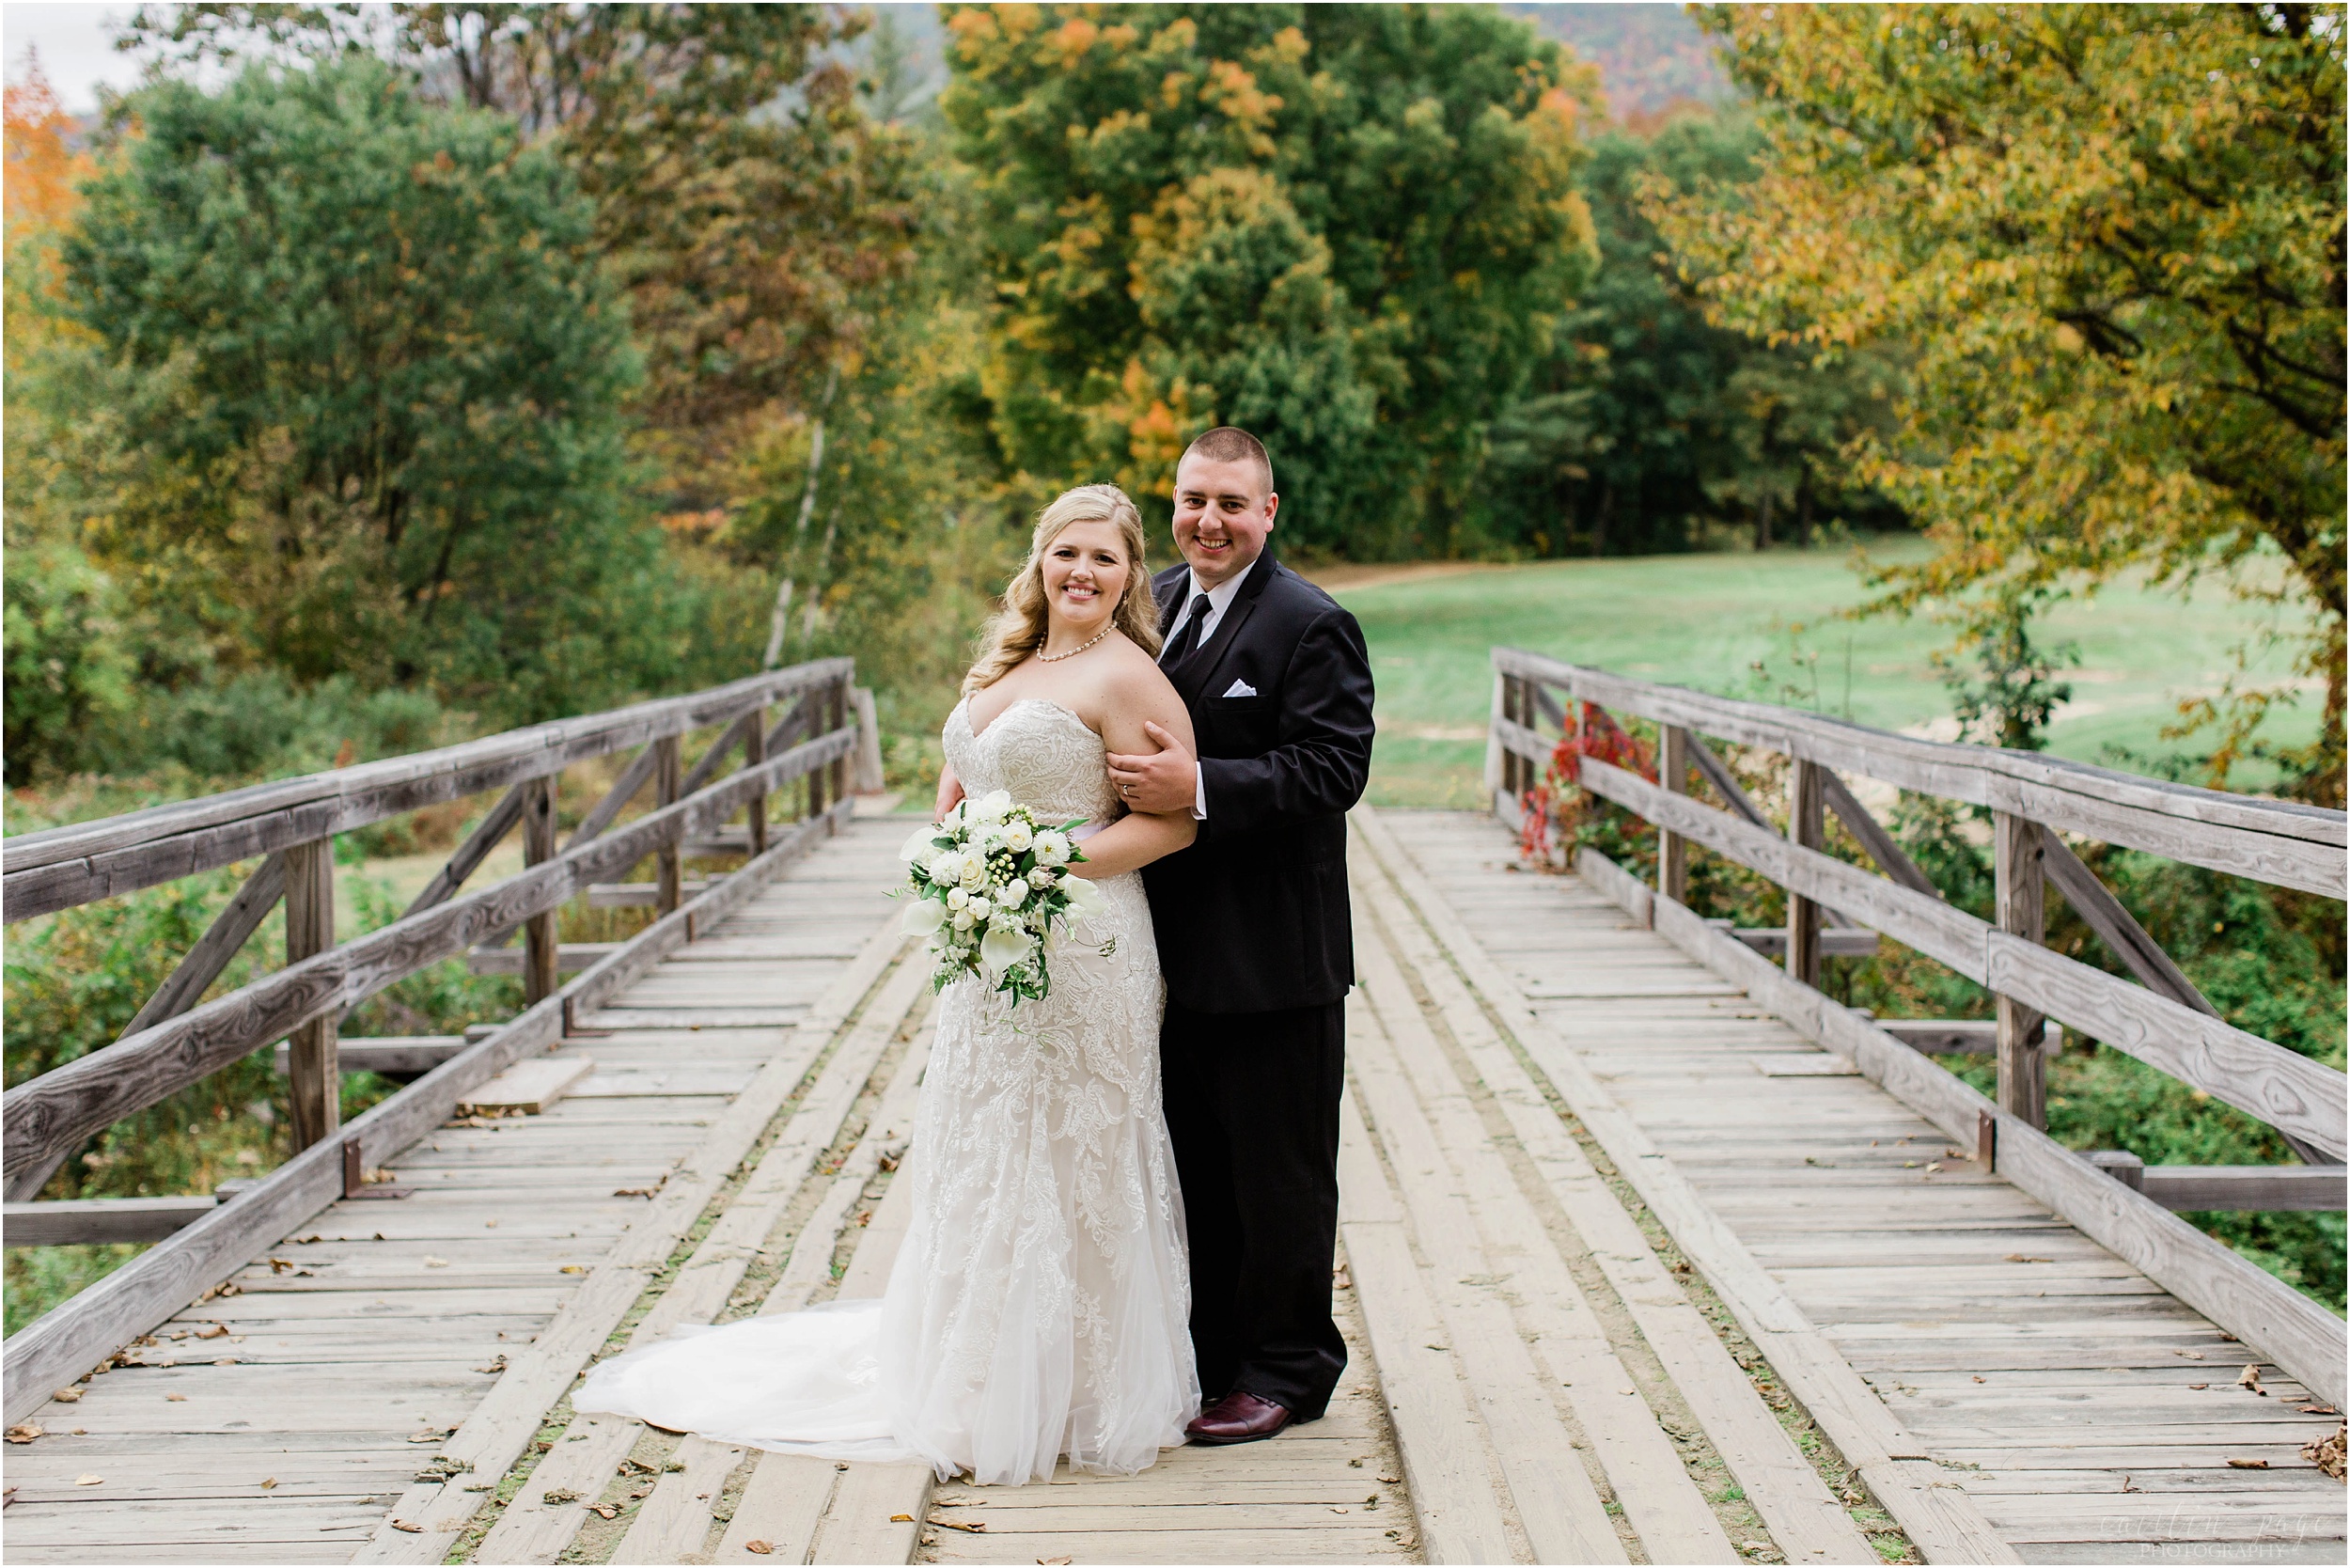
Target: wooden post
x,y
836,715
1514,705
2019,907
1805,827
754,753
1672,849
316,1078
668,774
815,710
542,933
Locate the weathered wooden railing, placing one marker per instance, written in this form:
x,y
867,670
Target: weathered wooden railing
x,y
174,1043
2163,1020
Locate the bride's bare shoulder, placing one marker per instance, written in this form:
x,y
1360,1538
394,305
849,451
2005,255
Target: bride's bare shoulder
x,y
1131,675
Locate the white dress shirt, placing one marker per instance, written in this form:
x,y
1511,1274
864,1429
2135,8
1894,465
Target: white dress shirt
x,y
1219,600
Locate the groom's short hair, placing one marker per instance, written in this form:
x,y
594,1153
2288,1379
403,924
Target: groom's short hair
x,y
1231,444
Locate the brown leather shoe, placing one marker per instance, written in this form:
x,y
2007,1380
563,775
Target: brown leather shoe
x,y
1238,1417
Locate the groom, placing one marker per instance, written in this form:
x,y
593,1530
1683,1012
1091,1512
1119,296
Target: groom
x,y
1254,936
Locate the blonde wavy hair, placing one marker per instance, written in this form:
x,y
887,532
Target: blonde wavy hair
x,y
1019,629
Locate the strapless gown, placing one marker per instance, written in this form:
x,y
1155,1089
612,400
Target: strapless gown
x,y
1039,1305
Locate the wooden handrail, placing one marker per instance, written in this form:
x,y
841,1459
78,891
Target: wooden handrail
x,y
2282,1088
71,1337
41,1121
60,866
2164,1022
2283,844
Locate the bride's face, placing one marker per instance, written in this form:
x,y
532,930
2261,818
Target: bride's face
x,y
1085,571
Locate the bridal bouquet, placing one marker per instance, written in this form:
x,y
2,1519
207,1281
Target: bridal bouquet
x,y
988,884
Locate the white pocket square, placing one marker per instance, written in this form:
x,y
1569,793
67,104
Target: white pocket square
x,y
1240,688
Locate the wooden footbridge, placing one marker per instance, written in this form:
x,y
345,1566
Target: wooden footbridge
x,y
1650,1251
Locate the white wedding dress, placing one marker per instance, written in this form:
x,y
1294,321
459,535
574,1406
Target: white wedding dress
x,y
1040,1304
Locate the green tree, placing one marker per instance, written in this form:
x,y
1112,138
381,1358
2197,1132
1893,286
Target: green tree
x,y
370,348
1348,228
2112,238
746,203
1648,421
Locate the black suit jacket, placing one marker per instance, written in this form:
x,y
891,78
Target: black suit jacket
x,y
1253,916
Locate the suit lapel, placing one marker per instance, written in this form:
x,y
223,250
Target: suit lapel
x,y
1192,681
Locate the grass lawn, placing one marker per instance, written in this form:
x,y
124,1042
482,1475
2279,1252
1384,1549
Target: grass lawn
x,y
1765,627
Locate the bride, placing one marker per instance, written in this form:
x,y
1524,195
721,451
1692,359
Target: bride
x,y
1039,1303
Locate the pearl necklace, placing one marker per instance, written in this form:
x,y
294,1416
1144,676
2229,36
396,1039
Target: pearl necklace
x,y
1054,658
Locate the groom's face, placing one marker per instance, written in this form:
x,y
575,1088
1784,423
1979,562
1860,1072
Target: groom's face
x,y
1223,512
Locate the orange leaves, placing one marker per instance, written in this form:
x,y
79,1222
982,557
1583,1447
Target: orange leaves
x,y
42,168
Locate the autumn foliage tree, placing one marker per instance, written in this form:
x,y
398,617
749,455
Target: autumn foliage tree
x,y
2112,240
1347,227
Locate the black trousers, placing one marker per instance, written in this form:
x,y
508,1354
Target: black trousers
x,y
1252,1104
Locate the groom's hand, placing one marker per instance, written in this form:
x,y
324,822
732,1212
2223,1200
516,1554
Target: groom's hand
x,y
1163,782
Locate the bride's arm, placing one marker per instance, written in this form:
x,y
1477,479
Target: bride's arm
x,y
1139,696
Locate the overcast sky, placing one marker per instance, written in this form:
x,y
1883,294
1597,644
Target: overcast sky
x,y
76,45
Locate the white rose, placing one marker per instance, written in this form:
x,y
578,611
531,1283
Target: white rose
x,y
1003,948
923,916
957,899
974,871
994,806
965,920
1012,895
1018,837
1052,848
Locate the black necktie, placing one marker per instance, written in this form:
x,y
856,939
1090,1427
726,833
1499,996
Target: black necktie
x,y
1187,637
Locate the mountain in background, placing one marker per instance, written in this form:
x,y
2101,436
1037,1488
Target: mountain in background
x,y
1650,57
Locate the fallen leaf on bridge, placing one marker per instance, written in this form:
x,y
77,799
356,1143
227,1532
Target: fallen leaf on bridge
x,y
761,1547
2248,1464
404,1524
90,1481
66,1396
2251,1379
604,1511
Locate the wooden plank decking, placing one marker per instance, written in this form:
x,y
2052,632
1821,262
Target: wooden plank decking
x,y
1547,1364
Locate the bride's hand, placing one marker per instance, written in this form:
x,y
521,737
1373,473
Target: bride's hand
x,y
950,791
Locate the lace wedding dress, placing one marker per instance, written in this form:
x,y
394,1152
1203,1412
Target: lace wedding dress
x,y
1040,1304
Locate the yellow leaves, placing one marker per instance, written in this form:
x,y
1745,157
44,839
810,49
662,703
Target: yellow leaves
x,y
1231,88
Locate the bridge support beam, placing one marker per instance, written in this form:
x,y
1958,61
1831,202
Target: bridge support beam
x,y
541,952
2021,910
668,775
1806,826
315,1077
754,753
1672,849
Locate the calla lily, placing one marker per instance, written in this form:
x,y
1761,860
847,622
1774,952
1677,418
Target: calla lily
x,y
920,844
923,916
1004,947
1084,898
